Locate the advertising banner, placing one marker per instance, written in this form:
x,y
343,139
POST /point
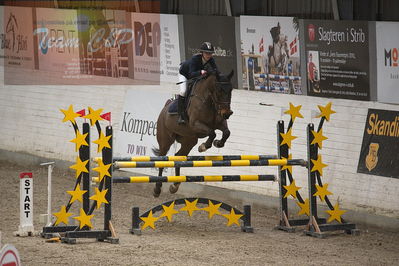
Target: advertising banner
x,y
270,54
104,36
58,41
337,56
387,62
220,31
156,47
379,154
16,37
136,134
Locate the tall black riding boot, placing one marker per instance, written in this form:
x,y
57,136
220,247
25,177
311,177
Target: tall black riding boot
x,y
180,109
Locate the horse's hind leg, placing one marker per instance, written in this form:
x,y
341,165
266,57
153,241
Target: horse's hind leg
x,y
187,143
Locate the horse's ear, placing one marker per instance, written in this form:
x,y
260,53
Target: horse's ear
x,y
229,76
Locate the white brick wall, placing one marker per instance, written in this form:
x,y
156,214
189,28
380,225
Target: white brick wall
x,y
31,123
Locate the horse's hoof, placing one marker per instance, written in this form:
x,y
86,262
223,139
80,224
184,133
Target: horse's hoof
x,y
202,148
156,192
173,189
218,144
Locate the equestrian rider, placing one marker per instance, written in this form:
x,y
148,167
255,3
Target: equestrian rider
x,y
195,67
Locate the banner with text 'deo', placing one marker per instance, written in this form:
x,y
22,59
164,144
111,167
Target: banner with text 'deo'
x,y
137,129
156,47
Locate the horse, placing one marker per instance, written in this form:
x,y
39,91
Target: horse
x,y
278,53
208,110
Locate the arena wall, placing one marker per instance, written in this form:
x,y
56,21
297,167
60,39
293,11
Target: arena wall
x,y
32,124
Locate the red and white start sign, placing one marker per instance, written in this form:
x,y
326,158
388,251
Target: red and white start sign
x,y
9,256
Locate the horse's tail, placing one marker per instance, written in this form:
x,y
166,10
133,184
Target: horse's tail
x,y
155,151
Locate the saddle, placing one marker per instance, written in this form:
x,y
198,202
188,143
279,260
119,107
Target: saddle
x,y
173,106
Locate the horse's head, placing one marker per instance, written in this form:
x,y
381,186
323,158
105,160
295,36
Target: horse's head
x,y
221,94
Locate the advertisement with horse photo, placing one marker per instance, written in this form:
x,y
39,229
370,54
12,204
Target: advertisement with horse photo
x,y
337,57
270,54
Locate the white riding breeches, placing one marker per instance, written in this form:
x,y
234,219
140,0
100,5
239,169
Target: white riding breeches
x,y
182,85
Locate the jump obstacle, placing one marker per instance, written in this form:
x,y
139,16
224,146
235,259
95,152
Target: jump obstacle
x,y
315,226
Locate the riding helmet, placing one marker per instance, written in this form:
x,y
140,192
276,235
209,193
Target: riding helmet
x,y
207,47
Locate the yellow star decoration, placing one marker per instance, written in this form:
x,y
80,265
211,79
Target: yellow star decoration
x,y
62,216
232,217
335,214
80,166
102,170
291,189
288,167
100,197
149,221
212,209
94,115
76,194
326,111
79,140
287,138
322,191
318,138
304,207
84,219
102,142
318,165
69,115
169,211
190,207
294,111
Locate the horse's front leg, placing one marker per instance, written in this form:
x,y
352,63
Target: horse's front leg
x,y
225,135
208,143
203,129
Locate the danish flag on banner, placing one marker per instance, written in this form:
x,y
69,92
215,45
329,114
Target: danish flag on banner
x,y
261,47
293,46
106,116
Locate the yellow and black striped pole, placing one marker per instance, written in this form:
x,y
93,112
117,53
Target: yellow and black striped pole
x,y
197,178
163,164
189,158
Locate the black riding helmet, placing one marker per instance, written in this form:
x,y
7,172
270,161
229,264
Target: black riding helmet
x,y
207,47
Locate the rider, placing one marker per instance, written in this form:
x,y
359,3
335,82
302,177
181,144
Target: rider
x,y
192,68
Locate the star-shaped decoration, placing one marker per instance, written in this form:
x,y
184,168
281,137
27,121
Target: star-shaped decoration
x,y
62,216
149,221
190,207
69,115
318,138
318,165
102,170
94,115
232,217
291,189
84,219
80,140
76,194
288,167
212,209
169,211
80,166
294,111
102,142
305,209
335,214
287,138
100,197
326,111
322,191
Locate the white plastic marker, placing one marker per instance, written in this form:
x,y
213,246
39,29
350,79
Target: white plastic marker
x,y
50,170
26,206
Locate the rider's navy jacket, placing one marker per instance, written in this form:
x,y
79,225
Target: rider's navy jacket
x,y
192,68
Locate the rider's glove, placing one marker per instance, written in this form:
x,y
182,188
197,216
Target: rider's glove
x,y
203,72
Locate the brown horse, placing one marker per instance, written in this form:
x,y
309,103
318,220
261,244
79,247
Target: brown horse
x,y
208,110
